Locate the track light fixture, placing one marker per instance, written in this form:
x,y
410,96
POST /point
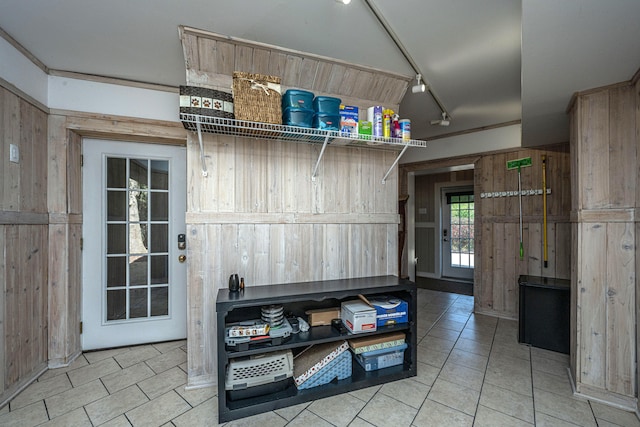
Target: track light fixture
x,y
420,87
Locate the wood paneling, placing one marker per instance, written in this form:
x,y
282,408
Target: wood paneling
x,y
23,244
604,154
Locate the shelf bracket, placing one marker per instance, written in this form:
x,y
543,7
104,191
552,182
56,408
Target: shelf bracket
x,y
204,165
324,146
384,179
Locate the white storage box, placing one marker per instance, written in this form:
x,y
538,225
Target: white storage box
x,y
358,317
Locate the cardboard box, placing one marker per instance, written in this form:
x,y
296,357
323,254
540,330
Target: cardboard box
x,y
358,317
390,310
376,342
322,316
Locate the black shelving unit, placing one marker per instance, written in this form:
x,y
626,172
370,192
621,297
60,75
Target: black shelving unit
x,y
297,298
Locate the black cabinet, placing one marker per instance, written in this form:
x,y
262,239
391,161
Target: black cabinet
x,y
544,312
297,298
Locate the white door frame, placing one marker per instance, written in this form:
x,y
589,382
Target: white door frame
x,y
133,331
440,190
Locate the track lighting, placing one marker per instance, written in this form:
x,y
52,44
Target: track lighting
x,y
420,87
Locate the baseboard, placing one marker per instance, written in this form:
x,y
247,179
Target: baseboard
x,y
18,387
493,313
64,362
626,403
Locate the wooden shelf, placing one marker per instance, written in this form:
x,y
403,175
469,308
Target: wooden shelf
x,y
223,126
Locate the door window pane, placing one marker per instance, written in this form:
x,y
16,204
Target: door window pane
x,y
138,303
159,238
159,174
116,173
139,174
116,304
116,239
160,301
159,206
138,270
116,205
116,271
159,269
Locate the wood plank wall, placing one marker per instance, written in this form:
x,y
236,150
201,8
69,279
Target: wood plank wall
x,y
23,244
497,259
605,167
258,213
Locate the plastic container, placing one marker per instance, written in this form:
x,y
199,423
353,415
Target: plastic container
x,y
296,98
327,104
302,117
326,121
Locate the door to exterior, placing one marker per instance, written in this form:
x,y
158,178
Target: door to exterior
x,y
134,203
457,233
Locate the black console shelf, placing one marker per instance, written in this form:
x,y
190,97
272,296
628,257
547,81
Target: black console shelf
x,y
297,297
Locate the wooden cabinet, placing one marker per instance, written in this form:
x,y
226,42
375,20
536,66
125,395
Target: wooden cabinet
x,y
297,298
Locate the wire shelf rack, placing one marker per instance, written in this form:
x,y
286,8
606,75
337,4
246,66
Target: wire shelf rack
x,y
225,126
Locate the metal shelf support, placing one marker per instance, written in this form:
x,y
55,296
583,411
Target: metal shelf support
x,y
384,179
315,169
204,165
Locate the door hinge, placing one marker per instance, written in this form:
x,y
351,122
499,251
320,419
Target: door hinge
x,y
81,243
80,328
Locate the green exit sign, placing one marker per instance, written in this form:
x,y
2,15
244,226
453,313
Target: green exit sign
x,y
519,163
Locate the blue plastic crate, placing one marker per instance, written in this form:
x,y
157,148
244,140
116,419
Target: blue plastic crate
x,y
339,368
385,358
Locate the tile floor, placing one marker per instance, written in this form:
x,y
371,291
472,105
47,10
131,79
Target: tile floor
x,y
471,372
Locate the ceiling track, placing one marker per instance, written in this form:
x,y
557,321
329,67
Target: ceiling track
x,y
381,19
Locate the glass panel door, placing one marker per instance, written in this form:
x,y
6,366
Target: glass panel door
x,y
458,234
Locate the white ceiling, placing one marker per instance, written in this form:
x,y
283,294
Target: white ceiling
x,y
490,62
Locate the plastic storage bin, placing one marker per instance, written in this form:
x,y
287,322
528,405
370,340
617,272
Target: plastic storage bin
x,y
385,358
296,98
302,117
327,104
326,121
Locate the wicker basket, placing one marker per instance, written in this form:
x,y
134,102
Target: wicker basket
x,y
257,98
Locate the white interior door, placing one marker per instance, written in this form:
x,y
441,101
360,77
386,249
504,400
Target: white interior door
x,y
134,203
457,237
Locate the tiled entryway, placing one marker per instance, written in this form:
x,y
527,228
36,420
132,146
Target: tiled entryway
x,y
471,372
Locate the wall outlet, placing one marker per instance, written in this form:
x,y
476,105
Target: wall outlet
x,y
14,153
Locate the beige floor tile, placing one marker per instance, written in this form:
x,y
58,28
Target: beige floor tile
x,y
479,335
115,405
454,315
307,418
165,361
4,410
290,412
385,411
75,398
96,356
482,321
487,417
338,410
511,349
40,390
544,420
136,355
614,415
471,346
126,377
462,375
79,362
507,402
505,359
565,408
455,396
548,354
93,371
365,394
75,418
437,344
205,414
268,419
445,334
552,383
359,422
197,395
120,421
470,360
162,383
27,416
509,377
605,423
451,324
158,411
550,366
407,391
164,347
427,374
434,414
431,357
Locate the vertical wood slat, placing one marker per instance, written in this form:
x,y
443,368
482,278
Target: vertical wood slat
x,y
3,301
11,135
622,150
620,309
593,173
